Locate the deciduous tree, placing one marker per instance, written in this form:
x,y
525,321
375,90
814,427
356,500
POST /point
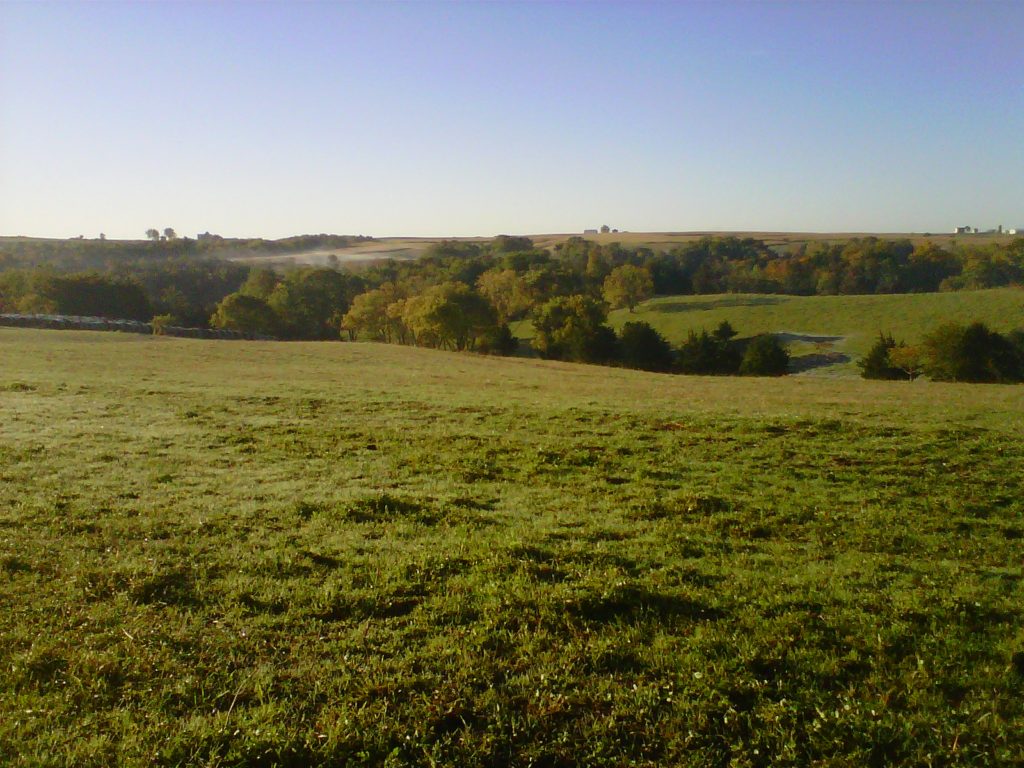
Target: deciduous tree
x,y
627,286
450,315
508,293
573,328
369,313
907,359
247,314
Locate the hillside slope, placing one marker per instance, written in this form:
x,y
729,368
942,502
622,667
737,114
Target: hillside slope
x,y
844,324
248,554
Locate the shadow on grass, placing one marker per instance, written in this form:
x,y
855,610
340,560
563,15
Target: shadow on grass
x,y
374,508
700,306
174,587
634,603
817,360
361,607
786,337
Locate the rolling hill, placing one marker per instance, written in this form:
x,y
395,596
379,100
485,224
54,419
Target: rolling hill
x,y
252,554
818,325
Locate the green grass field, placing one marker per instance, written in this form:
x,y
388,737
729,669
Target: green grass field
x,y
256,554
855,321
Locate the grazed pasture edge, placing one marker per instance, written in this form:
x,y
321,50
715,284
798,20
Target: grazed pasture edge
x,y
258,553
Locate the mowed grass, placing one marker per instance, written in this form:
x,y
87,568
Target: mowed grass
x,y
857,320
254,554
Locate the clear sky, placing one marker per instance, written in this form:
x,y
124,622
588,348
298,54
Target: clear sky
x,y
271,119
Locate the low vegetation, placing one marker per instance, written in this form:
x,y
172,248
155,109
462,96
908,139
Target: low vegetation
x,y
845,325
351,554
950,352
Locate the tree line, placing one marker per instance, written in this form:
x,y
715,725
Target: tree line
x,y
465,295
971,353
574,327
103,255
186,290
866,265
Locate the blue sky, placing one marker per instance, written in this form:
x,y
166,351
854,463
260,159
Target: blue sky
x,y
270,119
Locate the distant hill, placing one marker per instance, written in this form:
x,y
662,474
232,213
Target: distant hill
x,y
842,324
79,253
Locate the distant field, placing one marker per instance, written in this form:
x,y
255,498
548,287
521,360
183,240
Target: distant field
x,y
255,554
413,247
398,248
667,240
846,324
663,241
823,325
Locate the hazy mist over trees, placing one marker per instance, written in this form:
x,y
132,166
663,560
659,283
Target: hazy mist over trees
x,y
463,295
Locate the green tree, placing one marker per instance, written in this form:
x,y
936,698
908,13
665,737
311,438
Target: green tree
x,y
972,353
498,340
764,356
640,346
710,354
627,286
170,234
260,283
153,234
573,328
311,302
369,313
724,333
508,293
945,352
451,315
511,244
247,314
396,319
876,364
701,354
92,294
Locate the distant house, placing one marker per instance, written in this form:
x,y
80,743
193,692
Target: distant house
x,y
1000,230
589,231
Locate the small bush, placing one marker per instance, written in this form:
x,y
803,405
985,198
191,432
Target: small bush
x,y
643,347
160,324
876,364
710,353
972,353
764,356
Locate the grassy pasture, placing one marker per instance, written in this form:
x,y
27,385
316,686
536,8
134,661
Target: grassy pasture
x,y
255,554
356,255
853,321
